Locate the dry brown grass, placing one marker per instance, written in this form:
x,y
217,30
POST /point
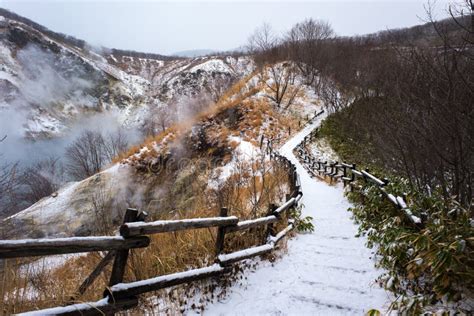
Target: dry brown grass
x,y
247,194
167,253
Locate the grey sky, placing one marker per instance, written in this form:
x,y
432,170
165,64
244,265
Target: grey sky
x,y
167,27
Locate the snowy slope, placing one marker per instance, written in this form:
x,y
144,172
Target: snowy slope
x,y
328,272
53,83
75,209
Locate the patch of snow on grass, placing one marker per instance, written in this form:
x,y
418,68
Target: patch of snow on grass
x,y
245,151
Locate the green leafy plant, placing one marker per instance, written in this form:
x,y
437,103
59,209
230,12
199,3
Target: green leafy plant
x,y
425,265
373,312
302,224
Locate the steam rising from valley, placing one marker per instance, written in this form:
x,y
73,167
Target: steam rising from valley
x,y
50,86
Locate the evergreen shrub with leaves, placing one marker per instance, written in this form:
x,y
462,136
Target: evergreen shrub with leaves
x,y
425,265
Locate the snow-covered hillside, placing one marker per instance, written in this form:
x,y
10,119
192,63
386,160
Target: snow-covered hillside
x,y
53,83
224,137
175,78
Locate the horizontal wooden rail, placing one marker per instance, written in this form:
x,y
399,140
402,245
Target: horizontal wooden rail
x,y
373,178
252,223
275,240
233,257
285,206
140,228
56,246
102,307
357,173
124,290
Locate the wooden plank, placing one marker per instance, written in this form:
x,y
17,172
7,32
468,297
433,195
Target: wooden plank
x,y
373,178
285,206
281,234
220,238
252,223
123,290
94,274
270,230
401,202
233,257
121,257
357,173
102,307
133,229
56,246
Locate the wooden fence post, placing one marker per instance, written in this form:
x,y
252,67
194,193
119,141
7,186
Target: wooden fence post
x,y
94,274
270,229
352,177
221,233
288,197
120,262
344,174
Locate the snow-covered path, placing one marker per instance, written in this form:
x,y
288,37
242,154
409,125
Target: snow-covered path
x,y
328,272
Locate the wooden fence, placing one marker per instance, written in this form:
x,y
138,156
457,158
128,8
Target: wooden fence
x,y
133,234
348,174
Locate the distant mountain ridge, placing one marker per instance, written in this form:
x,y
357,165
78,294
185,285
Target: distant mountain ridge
x,y
194,52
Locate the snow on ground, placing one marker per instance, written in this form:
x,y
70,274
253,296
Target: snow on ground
x,y
320,148
244,152
328,272
216,65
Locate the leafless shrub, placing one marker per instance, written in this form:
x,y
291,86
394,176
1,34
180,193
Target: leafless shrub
x,y
102,203
91,151
159,119
264,45
41,180
304,43
281,84
412,105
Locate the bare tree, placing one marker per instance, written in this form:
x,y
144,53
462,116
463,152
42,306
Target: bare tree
x,y
115,143
281,84
85,156
305,46
8,186
41,180
159,119
264,45
412,108
263,39
91,151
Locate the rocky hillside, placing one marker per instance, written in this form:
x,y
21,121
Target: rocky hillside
x,y
194,166
53,80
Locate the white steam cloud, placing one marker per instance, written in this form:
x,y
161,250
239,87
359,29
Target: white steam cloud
x,y
59,93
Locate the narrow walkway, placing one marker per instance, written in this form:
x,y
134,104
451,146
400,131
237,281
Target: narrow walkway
x,y
328,272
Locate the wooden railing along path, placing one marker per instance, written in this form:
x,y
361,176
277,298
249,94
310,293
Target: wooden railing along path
x,y
133,234
348,174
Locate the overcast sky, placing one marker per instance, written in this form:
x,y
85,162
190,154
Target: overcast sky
x,y
171,26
